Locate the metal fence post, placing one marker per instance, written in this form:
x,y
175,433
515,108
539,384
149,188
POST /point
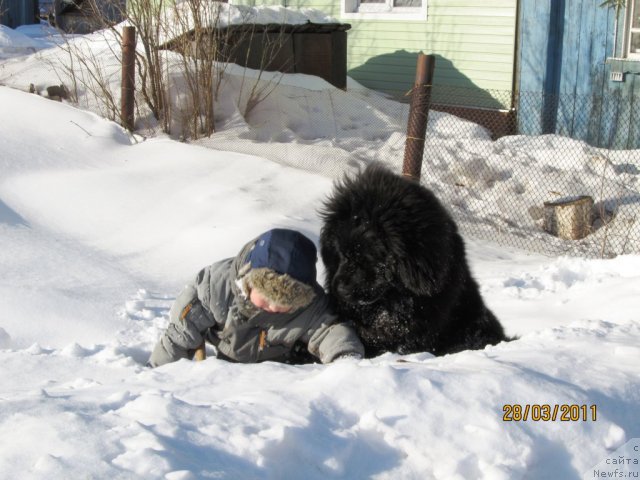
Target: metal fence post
x,y
418,117
127,100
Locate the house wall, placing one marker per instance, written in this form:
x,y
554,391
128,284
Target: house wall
x,y
567,53
14,13
473,41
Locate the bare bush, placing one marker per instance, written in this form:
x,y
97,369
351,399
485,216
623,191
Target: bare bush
x,y
271,44
199,32
149,18
87,71
199,43
207,44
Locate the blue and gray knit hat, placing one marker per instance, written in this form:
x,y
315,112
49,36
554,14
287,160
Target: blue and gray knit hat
x,y
282,266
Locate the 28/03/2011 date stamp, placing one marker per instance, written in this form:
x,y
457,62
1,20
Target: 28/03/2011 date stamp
x,y
515,412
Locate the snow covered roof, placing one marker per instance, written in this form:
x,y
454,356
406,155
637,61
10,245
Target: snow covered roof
x,y
179,20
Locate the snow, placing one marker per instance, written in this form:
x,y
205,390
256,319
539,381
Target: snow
x,y
494,188
26,39
179,19
100,229
225,14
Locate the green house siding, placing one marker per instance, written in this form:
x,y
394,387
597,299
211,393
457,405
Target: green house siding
x,y
473,41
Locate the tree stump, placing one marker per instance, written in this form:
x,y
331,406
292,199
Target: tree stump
x,y
569,218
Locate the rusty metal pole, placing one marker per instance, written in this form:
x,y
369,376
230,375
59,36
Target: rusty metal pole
x,y
127,99
418,117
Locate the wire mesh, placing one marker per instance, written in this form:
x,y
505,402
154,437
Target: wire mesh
x,y
497,166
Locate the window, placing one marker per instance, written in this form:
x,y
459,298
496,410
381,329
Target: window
x,y
633,30
385,9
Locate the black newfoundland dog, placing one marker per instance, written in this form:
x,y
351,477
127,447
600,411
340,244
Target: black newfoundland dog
x,y
396,267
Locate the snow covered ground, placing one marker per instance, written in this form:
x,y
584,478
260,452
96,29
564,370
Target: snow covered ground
x,y
495,189
98,232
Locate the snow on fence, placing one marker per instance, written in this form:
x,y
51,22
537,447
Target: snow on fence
x,y
495,181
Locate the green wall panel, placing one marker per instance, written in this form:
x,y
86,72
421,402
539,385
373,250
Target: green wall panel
x,y
473,41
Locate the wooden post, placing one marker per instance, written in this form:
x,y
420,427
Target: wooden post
x,y
127,100
569,219
418,117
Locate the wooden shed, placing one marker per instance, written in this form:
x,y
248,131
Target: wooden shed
x,y
14,13
318,49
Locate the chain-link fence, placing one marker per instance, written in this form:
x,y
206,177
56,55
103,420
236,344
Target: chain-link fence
x,y
500,184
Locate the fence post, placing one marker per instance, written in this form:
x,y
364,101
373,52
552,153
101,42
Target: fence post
x,y
127,99
418,117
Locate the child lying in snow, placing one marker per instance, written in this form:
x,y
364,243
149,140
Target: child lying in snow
x,y
264,304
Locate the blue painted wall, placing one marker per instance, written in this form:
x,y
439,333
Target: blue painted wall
x,y
564,60
14,13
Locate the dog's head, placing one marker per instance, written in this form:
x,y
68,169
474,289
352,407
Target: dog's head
x,y
360,267
384,232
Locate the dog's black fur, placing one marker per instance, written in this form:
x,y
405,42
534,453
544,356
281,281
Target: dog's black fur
x,y
396,267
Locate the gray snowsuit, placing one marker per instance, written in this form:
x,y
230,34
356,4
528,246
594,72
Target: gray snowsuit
x,y
214,308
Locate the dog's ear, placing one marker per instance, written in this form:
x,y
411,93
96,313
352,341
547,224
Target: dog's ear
x,y
422,276
426,265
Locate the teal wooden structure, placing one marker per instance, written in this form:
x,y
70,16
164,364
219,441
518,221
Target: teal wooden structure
x,y
572,77
14,13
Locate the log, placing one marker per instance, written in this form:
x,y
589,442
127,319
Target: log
x,y
569,218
